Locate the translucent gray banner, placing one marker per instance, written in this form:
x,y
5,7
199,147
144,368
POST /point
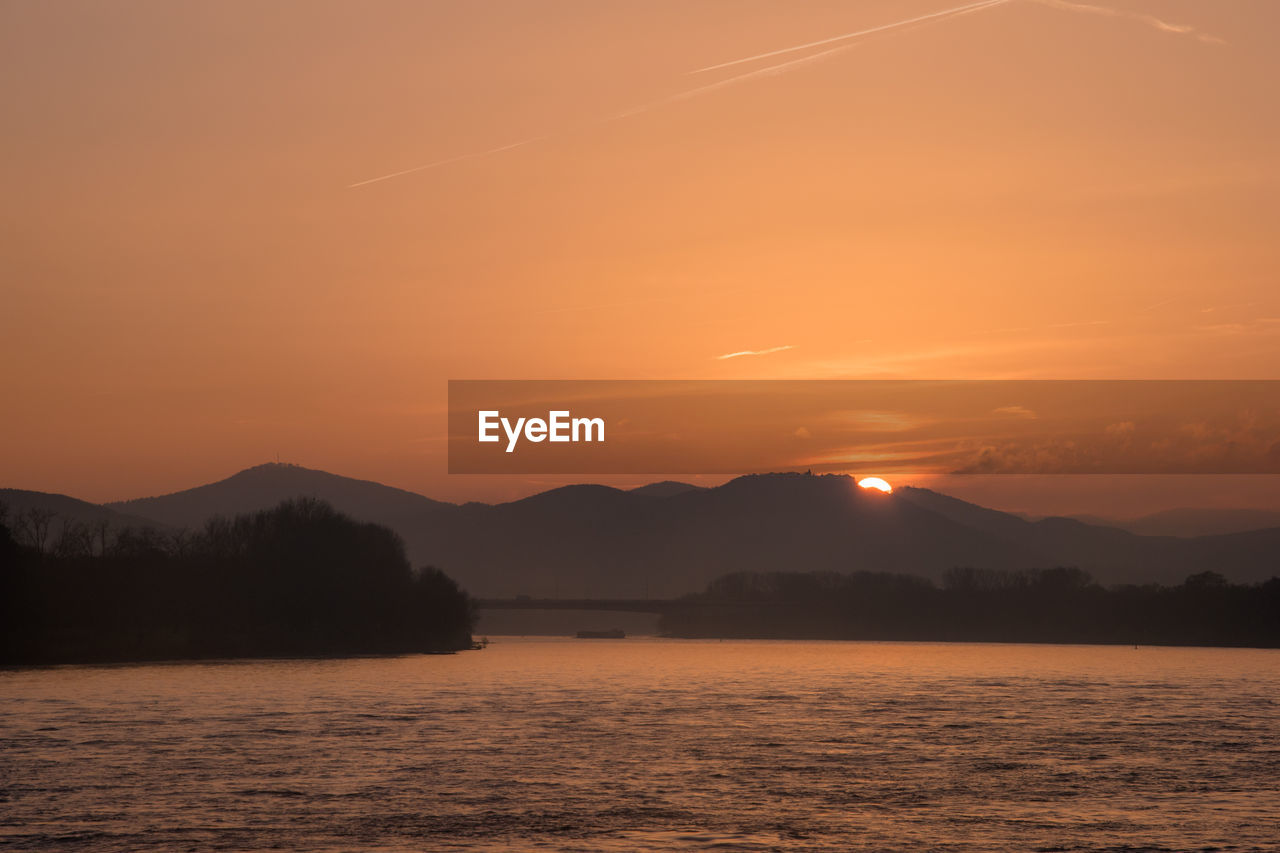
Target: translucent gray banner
x,y
864,426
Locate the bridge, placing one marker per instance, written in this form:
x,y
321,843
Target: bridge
x,y
621,605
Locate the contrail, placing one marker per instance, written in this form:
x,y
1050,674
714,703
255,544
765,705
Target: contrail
x,y
842,43
783,67
449,160
1149,20
972,7
702,90
1067,5
768,71
753,352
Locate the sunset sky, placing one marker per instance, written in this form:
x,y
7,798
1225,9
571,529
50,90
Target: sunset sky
x,y
200,273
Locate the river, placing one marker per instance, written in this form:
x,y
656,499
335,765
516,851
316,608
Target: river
x,y
652,744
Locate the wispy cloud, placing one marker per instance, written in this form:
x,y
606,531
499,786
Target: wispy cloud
x,y
1260,326
1078,325
1016,411
1149,20
753,352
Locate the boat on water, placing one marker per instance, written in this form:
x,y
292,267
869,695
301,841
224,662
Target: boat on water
x,y
613,634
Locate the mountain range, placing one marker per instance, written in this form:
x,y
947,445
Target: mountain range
x,y
669,538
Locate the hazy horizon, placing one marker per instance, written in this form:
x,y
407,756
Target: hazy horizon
x,y
1106,496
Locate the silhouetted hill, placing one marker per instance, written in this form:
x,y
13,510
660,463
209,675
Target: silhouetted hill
x,y
1190,521
1114,555
594,541
1003,524
265,486
665,489
584,498
67,508
1106,550
668,539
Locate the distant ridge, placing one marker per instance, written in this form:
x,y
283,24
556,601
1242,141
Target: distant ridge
x,y
1191,521
264,486
589,541
70,509
665,489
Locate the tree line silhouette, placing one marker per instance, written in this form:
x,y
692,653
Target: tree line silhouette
x,y
298,579
1059,605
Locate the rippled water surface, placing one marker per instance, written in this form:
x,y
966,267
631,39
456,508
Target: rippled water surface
x,y
652,745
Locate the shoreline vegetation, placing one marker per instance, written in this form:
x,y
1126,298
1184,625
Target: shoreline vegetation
x,y
298,580
1060,605
302,580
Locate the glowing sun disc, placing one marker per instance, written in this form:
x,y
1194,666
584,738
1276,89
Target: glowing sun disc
x,y
875,483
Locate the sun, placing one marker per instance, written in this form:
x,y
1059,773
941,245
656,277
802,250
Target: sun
x,y
875,483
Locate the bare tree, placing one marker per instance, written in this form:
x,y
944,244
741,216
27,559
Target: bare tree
x,y
32,527
75,540
181,543
100,530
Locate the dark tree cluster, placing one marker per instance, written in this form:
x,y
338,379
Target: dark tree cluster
x,y
299,579
1060,605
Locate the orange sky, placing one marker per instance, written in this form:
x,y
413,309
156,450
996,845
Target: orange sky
x,y
191,286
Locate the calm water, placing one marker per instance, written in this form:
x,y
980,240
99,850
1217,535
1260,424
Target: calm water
x,y
652,745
